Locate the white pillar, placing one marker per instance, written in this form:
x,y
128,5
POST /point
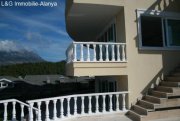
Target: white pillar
x,y
113,57
14,111
100,54
94,49
90,106
75,53
31,111
47,111
68,107
123,53
82,56
124,102
22,112
5,112
55,110
82,105
118,54
97,104
75,105
62,108
88,53
117,102
104,104
110,103
39,111
107,53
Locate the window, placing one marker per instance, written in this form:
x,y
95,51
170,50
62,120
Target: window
x,y
173,29
158,31
151,30
3,84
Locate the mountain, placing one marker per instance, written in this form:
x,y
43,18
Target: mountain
x,y
15,57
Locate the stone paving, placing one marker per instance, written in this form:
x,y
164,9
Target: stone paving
x,y
115,117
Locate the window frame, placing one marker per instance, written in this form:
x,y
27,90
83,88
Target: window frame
x,y
165,16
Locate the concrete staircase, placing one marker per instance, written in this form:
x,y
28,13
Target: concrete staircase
x,y
161,102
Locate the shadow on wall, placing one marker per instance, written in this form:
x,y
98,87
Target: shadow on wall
x,y
154,82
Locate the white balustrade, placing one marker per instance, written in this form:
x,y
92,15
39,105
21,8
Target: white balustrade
x,y
82,104
11,106
96,52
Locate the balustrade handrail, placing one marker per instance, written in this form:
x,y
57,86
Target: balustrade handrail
x,y
15,100
103,43
76,95
101,52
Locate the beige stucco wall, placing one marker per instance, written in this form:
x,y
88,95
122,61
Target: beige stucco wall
x,y
145,66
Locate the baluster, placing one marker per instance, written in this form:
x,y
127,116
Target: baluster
x,y
97,104
123,53
124,102
22,112
68,107
117,102
82,105
55,110
90,105
62,113
118,54
75,53
113,57
75,105
39,111
104,103
5,112
100,47
107,53
31,111
110,103
88,53
82,56
94,47
14,111
47,110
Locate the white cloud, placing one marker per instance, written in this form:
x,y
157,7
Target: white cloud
x,y
8,45
35,21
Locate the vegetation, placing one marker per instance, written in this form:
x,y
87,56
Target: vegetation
x,y
39,68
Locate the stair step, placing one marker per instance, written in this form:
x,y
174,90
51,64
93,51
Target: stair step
x,y
145,107
170,84
172,79
170,103
134,116
159,94
164,89
146,104
152,99
176,74
140,110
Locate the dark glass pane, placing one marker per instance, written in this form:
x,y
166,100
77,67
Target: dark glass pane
x,y
174,32
151,30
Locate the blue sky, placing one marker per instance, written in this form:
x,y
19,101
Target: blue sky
x,y
38,29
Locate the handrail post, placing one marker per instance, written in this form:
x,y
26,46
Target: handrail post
x,y
39,111
5,111
14,110
124,102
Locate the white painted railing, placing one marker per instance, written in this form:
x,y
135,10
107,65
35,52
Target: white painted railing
x,y
96,52
16,110
58,108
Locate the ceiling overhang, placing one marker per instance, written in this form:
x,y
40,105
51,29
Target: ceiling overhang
x,y
84,22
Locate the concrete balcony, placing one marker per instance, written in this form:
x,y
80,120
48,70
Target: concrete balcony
x,y
96,59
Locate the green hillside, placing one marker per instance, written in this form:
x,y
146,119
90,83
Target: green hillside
x,y
39,68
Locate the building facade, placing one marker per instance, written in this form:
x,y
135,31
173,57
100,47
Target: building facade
x,y
127,45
